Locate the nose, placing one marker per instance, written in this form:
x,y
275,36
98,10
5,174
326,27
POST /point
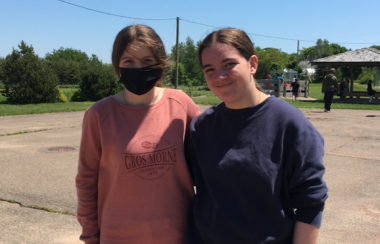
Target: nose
x,y
220,74
139,64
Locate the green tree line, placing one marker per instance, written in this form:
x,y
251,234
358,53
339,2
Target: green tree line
x,y
27,78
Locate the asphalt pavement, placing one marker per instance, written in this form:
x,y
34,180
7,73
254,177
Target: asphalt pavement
x,y
38,164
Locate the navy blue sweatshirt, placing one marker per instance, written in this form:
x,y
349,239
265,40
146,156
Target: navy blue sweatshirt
x,y
257,171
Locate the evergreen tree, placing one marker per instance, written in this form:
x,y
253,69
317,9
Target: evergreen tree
x,y
71,64
188,57
98,82
27,78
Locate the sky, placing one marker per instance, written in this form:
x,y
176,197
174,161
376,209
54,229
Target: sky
x,y
48,25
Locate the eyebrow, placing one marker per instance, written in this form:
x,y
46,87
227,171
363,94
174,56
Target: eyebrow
x,y
125,57
223,61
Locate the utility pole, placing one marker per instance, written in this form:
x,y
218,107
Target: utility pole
x,y
177,56
298,46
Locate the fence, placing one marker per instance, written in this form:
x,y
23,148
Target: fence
x,y
275,87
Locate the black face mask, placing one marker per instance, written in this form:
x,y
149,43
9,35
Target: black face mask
x,y
141,80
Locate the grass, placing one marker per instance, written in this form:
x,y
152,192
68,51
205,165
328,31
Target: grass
x,y
199,96
320,105
38,207
14,109
22,132
315,92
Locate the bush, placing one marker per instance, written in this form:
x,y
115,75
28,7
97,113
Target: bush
x,y
68,86
98,82
68,72
367,75
62,97
76,97
27,78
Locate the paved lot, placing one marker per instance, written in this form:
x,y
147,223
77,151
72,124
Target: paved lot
x,y
31,175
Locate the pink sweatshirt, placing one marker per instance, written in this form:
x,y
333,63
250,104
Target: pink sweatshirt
x,y
133,183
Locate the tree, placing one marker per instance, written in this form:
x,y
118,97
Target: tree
x,y
293,65
188,57
323,49
308,53
67,54
2,62
68,72
270,59
337,49
181,75
98,82
70,64
27,78
376,47
181,51
190,61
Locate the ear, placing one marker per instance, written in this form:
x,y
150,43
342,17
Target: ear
x,y
254,62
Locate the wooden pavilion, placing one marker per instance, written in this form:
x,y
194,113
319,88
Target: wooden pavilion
x,y
365,57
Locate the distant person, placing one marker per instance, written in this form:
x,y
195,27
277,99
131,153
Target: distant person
x,y
296,89
370,91
343,89
294,78
329,87
269,77
347,84
278,77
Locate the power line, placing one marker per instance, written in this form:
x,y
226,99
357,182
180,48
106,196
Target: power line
x,y
110,13
197,23
274,37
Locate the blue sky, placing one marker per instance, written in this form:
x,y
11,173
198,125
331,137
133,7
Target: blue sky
x,y
51,24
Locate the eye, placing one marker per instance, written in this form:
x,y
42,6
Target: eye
x,y
148,60
230,65
127,61
208,70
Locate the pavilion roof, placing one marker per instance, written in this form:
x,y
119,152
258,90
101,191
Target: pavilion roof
x,y
359,57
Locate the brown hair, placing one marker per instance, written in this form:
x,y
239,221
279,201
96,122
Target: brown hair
x,y
233,37
142,34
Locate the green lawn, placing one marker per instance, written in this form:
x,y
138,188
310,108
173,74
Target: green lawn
x,y
315,92
199,97
11,109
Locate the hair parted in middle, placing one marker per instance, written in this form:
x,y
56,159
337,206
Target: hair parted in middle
x,y
231,36
141,34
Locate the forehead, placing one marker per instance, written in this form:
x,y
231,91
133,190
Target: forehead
x,y
218,52
137,49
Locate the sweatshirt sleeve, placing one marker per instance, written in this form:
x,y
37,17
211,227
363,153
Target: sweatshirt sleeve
x,y
307,190
193,109
87,178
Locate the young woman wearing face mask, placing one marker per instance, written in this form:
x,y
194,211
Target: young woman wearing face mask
x,y
133,183
257,161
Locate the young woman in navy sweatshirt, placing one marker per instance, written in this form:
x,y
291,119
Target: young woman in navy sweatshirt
x,y
257,161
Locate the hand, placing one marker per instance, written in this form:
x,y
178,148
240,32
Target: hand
x,y
305,233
